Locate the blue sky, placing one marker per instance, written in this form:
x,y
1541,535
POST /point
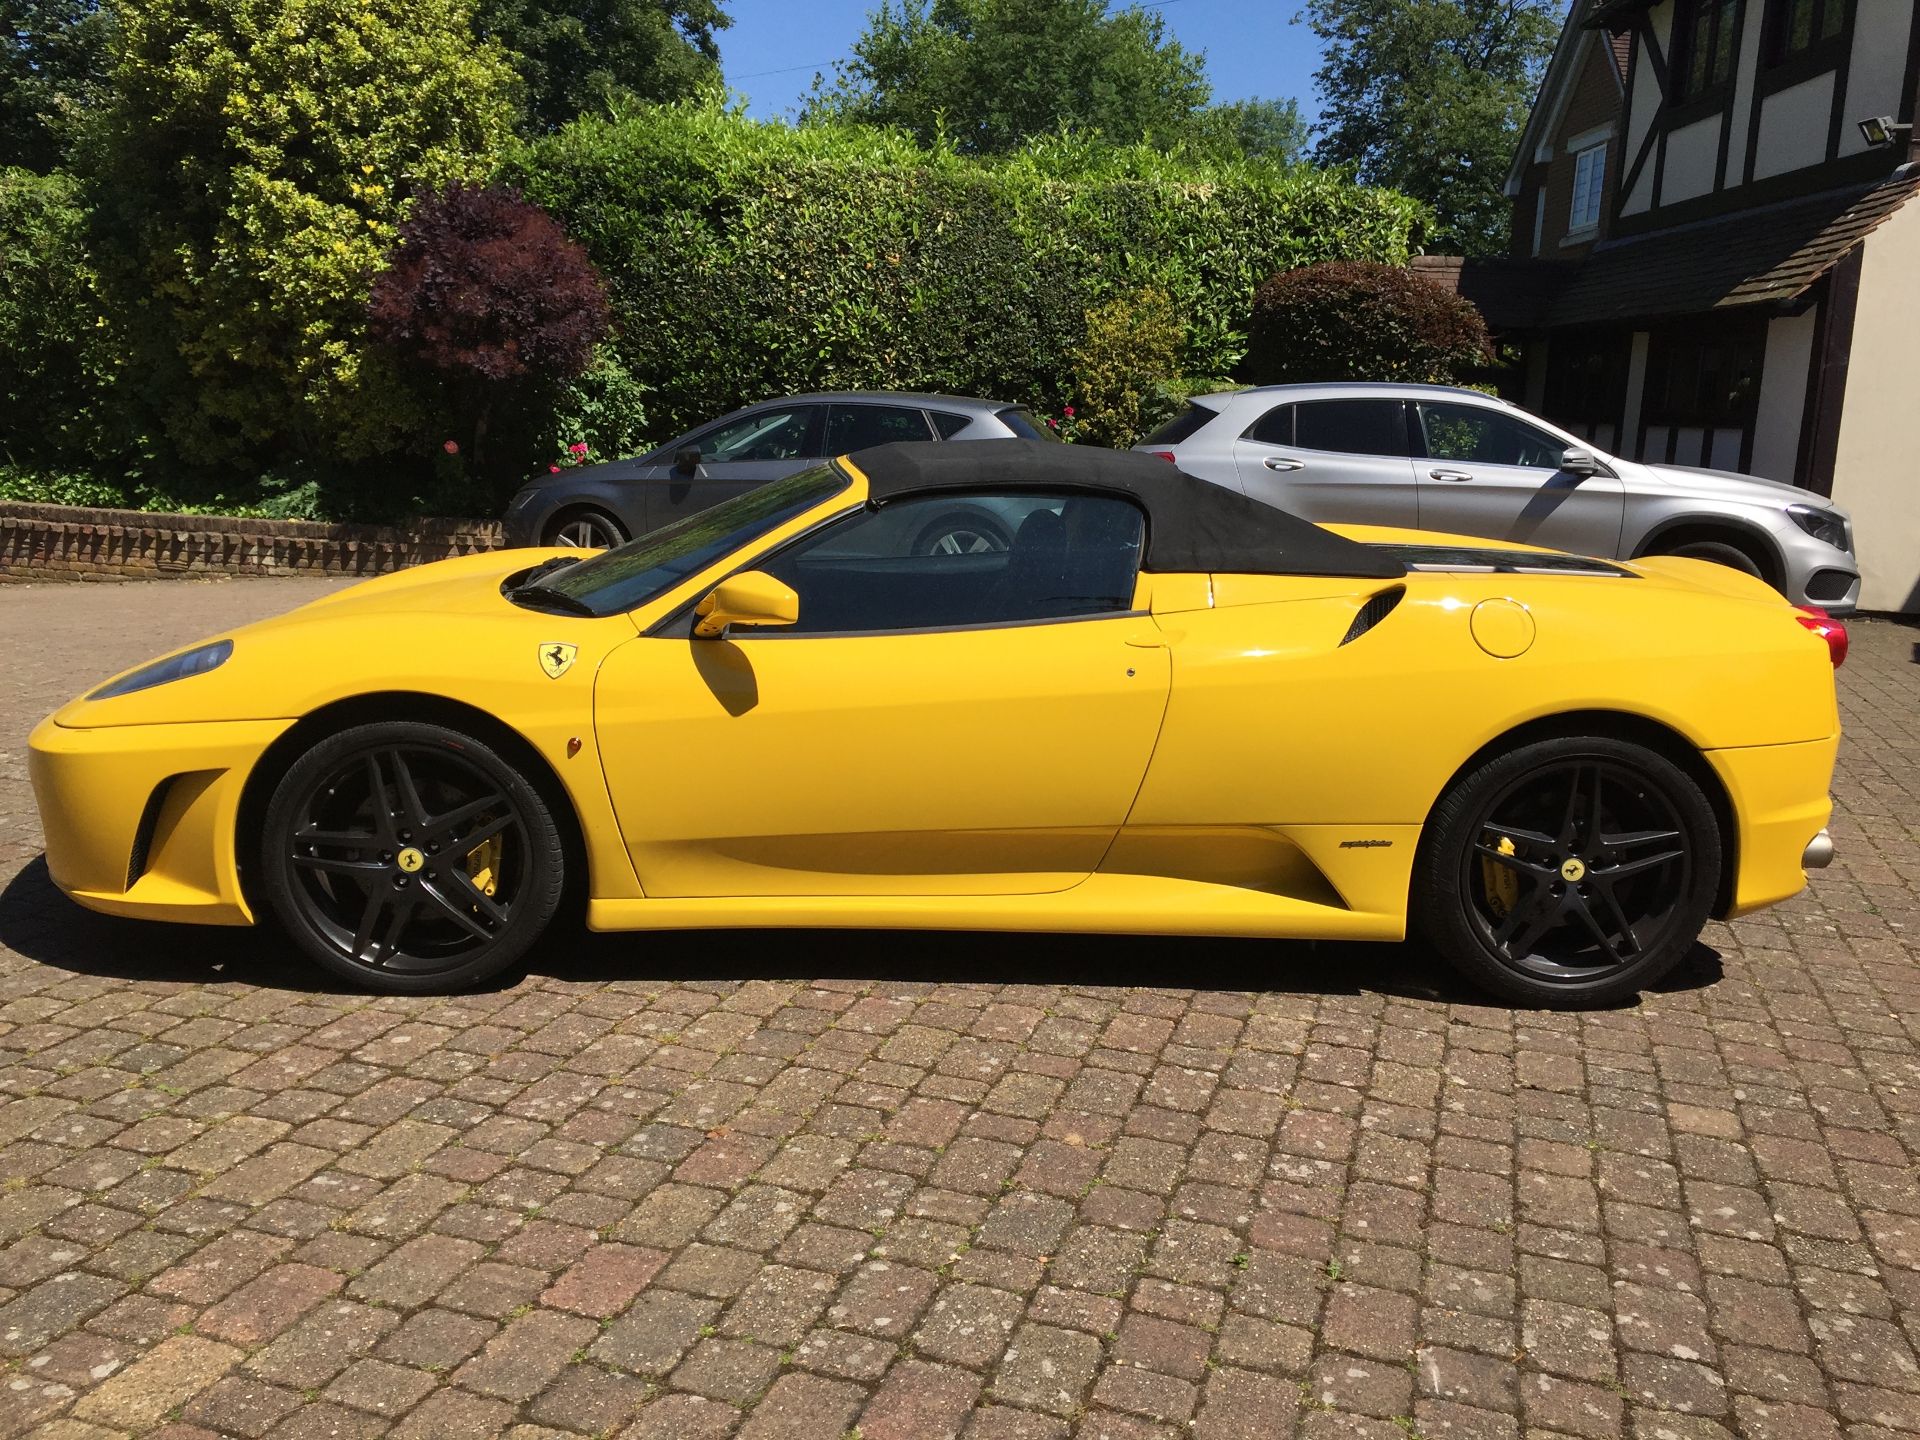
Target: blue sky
x,y
1253,49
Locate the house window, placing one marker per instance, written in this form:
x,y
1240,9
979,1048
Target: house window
x,y
1797,27
1704,375
1703,35
1589,178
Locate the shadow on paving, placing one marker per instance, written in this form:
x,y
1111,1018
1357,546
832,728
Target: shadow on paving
x,y
41,924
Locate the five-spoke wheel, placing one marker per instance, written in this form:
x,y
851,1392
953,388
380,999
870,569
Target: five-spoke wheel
x,y
1569,871
587,530
409,857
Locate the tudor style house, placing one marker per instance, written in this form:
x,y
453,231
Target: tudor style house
x,y
1715,256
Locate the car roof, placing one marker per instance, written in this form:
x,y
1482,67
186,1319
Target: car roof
x,y
886,397
1364,387
1192,526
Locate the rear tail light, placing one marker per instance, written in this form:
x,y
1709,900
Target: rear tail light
x,y
1166,455
1827,628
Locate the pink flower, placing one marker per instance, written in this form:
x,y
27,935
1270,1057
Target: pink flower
x,y
1053,424
553,469
1067,411
452,447
579,447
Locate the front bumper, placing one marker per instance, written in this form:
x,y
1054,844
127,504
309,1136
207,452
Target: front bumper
x,y
1782,800
142,820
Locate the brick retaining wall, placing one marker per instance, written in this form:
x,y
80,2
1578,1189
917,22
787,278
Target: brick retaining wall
x,y
63,542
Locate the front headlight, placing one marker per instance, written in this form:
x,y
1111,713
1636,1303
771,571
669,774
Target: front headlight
x,y
196,661
1823,525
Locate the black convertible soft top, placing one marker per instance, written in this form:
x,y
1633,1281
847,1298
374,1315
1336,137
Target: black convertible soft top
x,y
1192,526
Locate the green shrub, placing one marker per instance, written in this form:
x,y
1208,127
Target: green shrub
x,y
1360,321
1131,343
54,366
745,259
250,174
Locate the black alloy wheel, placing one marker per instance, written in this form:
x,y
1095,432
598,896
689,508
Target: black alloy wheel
x,y
1569,872
410,858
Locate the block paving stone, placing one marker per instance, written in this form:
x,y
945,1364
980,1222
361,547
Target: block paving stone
x,y
992,1187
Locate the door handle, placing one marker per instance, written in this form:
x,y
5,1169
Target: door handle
x,y
1449,475
1274,462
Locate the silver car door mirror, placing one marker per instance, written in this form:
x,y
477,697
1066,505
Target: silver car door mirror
x,y
1575,461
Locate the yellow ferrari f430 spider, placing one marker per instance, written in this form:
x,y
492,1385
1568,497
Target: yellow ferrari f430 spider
x,y
1147,704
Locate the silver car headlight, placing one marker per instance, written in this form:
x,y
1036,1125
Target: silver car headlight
x,y
196,661
1822,525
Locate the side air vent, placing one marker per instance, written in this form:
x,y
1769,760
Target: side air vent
x,y
1373,612
143,837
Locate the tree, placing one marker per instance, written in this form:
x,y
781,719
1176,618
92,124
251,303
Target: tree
x,y
1429,96
575,55
247,180
989,74
487,291
53,64
1250,129
1361,320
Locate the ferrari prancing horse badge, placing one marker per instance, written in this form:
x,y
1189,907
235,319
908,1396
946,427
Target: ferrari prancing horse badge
x,y
556,658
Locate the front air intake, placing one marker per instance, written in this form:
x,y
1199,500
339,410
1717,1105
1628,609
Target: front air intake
x,y
143,836
1373,612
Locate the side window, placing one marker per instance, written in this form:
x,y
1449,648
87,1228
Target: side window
x,y
1480,435
855,427
1352,427
776,433
1063,556
1273,428
949,425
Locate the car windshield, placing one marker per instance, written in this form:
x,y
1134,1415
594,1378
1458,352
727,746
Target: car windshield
x,y
642,569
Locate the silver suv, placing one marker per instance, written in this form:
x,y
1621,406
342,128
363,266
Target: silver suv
x,y
1438,458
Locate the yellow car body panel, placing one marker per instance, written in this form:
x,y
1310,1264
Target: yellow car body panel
x,y
1220,761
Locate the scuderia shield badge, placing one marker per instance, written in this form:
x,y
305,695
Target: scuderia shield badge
x,y
556,657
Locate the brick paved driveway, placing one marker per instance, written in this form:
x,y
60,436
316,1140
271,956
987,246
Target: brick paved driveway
x,y
917,1186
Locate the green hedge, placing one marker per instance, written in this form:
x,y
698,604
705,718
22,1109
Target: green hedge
x,y
751,259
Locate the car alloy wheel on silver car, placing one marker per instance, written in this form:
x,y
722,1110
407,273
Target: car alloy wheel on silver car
x,y
591,531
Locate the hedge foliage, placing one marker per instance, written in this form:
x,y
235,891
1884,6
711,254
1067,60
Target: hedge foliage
x,y
752,259
188,321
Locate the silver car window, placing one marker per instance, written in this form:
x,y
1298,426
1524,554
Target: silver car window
x,y
1475,434
1351,427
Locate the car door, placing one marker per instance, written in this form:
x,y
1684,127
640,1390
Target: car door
x,y
1487,471
1332,460
767,443
932,724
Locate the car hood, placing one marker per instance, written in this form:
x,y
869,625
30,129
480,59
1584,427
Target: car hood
x,y
1730,485
439,629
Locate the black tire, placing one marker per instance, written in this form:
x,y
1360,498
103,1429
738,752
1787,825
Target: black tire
x,y
964,532
1528,897
1720,552
375,890
586,530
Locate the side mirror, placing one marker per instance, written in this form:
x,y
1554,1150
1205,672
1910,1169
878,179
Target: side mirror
x,y
687,460
1576,461
752,597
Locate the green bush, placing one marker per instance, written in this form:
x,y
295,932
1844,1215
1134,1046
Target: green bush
x,y
1358,321
249,176
1167,398
54,366
1132,342
746,259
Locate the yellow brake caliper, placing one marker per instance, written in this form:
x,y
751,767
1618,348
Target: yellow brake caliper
x,y
483,865
1502,885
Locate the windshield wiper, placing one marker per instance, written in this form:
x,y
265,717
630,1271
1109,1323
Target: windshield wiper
x,y
539,597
